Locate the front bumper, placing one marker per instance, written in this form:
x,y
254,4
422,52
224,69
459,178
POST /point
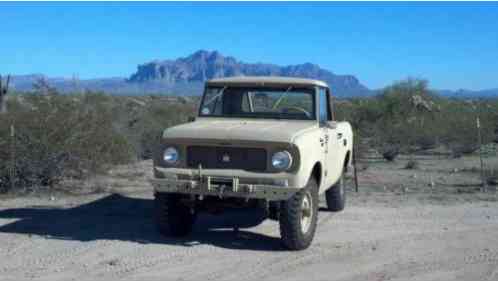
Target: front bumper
x,y
223,187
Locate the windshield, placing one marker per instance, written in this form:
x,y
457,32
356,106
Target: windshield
x,y
287,103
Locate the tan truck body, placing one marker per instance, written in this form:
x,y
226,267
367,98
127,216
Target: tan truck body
x,y
321,149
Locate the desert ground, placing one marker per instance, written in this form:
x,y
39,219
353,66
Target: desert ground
x,y
411,224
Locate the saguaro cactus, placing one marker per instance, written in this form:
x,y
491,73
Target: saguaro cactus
x,y
3,93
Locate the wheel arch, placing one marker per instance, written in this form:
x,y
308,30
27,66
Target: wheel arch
x,y
317,173
347,160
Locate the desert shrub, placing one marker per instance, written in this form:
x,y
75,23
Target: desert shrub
x,y
143,124
400,119
407,117
494,121
493,180
59,136
460,149
491,176
458,128
459,125
426,142
360,112
412,164
390,152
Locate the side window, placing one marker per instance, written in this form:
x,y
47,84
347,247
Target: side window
x,y
331,108
323,114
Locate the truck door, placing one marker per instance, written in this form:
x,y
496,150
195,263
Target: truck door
x,y
332,166
324,135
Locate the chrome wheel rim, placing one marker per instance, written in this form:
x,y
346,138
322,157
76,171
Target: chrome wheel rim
x,y
306,212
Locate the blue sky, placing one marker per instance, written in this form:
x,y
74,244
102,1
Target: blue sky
x,y
454,45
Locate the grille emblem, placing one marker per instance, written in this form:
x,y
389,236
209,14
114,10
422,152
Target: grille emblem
x,y
225,158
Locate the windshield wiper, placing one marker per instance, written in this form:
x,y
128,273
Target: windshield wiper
x,y
281,98
218,94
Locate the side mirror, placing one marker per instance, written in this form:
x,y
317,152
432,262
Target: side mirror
x,y
332,124
191,119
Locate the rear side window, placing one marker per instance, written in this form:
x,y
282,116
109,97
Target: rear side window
x,y
323,110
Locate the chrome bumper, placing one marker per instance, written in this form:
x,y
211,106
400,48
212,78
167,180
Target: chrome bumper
x,y
223,187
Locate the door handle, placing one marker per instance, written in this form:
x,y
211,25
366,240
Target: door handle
x,y
339,135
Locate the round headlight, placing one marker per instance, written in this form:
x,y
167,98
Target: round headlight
x,y
281,160
170,155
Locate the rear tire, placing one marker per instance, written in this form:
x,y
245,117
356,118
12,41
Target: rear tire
x,y
173,218
336,195
298,217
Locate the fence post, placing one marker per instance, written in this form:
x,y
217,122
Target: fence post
x,y
355,174
479,136
13,157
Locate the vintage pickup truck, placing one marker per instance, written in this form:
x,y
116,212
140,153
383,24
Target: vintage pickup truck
x,y
268,143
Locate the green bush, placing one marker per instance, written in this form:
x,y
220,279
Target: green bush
x,y
493,180
389,152
59,136
407,117
143,124
412,164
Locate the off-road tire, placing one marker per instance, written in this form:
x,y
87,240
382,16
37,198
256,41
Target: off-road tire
x,y
274,210
336,195
290,217
173,218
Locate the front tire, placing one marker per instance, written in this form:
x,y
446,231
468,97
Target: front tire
x,y
173,218
298,217
336,195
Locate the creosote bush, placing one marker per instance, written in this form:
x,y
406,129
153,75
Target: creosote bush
x,y
145,126
412,164
59,136
407,117
492,176
390,152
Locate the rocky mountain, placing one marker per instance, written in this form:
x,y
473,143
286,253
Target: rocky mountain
x,y
185,76
465,93
204,65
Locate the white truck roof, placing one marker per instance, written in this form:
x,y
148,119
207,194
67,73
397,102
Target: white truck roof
x,y
265,81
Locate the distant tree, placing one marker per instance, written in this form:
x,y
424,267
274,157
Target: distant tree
x,y
42,86
407,97
406,108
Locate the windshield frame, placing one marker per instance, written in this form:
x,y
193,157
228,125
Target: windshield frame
x,y
311,90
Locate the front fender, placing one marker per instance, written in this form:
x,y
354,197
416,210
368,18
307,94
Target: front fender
x,y
311,153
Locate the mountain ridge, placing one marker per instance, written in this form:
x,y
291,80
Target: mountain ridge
x,y
204,65
186,76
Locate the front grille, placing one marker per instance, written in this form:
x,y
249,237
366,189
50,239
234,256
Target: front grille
x,y
253,159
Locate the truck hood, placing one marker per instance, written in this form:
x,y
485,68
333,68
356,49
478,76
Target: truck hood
x,y
241,129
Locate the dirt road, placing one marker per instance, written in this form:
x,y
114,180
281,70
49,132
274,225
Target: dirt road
x,y
378,236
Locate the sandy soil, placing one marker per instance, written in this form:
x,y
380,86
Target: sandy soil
x,y
386,232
